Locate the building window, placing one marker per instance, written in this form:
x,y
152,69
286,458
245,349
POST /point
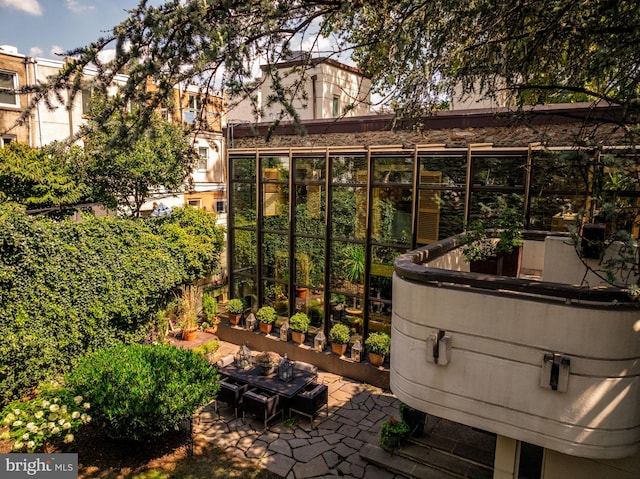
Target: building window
x,y
195,202
86,99
5,140
221,206
203,157
8,83
335,110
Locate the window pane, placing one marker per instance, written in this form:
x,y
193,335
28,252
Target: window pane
x,y
498,171
244,204
393,170
310,209
309,169
349,169
391,215
243,168
275,257
243,251
275,206
310,262
348,212
7,84
275,168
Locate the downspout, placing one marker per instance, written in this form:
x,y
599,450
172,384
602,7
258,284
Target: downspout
x,y
27,61
314,95
36,75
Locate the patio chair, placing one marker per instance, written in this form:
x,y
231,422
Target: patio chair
x,y
310,401
308,367
261,404
231,393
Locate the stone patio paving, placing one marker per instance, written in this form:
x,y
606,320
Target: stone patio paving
x,y
295,450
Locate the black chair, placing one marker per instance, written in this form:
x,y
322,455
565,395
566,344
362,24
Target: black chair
x,y
231,394
310,400
261,404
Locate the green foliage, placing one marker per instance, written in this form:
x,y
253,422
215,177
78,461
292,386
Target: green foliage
x,y
266,314
393,433
339,334
546,51
505,225
70,288
194,237
299,322
44,178
53,413
207,348
210,309
142,391
235,306
124,165
378,343
354,264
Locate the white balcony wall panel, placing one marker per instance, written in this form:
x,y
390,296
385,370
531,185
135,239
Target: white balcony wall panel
x,y
493,378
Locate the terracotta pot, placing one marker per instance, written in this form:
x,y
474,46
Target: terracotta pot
x,y
376,359
266,328
212,329
301,292
339,349
298,337
189,334
234,319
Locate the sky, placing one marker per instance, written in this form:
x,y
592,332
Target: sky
x,y
42,28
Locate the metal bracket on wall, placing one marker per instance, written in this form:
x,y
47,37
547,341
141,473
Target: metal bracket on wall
x,y
555,372
439,348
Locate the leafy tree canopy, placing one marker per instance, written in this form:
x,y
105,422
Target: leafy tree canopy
x,y
44,178
125,164
417,51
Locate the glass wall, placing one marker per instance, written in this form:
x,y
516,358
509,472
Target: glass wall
x,y
318,230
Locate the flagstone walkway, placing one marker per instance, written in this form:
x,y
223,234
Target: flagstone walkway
x,y
292,448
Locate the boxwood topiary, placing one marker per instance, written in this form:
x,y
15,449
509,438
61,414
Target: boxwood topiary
x,y
142,391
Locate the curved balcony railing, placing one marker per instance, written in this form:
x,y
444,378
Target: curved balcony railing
x,y
549,363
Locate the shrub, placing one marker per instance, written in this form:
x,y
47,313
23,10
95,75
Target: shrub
x,y
210,309
340,334
378,343
207,348
143,391
299,322
68,288
54,413
393,433
266,315
235,306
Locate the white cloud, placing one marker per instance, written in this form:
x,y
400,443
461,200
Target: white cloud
x,y
76,7
56,51
32,7
35,52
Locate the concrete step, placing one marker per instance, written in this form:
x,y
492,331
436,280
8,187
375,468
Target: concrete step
x,y
398,464
442,460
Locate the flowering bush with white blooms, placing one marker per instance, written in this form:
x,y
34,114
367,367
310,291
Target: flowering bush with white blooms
x,y
54,413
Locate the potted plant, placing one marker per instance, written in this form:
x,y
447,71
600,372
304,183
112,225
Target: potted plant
x,y
393,433
415,419
378,346
210,313
339,335
266,316
494,246
235,307
189,301
299,325
268,361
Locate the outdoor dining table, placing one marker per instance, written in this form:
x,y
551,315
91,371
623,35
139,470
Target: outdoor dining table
x,y
254,377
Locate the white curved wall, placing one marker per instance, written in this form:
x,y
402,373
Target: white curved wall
x,y
493,379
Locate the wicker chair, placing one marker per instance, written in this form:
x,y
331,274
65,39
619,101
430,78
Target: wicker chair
x,y
310,401
261,404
